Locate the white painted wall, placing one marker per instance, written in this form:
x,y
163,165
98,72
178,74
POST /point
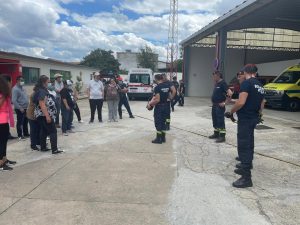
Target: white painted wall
x,y
127,60
46,67
200,67
275,68
200,70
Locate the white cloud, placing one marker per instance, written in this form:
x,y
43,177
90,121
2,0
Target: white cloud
x,y
35,31
155,7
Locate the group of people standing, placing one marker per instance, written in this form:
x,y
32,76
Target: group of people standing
x,y
248,108
41,110
113,91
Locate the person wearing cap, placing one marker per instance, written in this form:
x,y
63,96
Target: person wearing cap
x,y
67,105
58,85
247,107
123,98
20,101
221,91
95,93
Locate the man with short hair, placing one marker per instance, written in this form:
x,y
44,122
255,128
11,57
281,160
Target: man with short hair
x,y
123,98
247,107
20,101
95,92
67,105
221,91
176,97
58,85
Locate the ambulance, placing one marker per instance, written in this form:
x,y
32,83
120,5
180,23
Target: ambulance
x,y
140,83
284,91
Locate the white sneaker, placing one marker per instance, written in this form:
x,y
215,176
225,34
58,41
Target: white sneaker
x,y
109,121
80,121
65,134
116,121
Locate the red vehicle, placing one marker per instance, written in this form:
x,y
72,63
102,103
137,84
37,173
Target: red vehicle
x,y
234,84
12,68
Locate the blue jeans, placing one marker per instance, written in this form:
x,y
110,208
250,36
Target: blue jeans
x,y
34,132
66,118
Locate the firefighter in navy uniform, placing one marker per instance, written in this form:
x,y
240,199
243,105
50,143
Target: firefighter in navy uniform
x,y
160,103
247,107
218,98
172,94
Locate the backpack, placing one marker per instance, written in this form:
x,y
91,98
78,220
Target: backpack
x,y
112,92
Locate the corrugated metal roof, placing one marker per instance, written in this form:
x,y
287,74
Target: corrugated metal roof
x,y
253,14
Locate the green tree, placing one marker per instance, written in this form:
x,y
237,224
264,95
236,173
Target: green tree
x,y
99,58
147,58
179,63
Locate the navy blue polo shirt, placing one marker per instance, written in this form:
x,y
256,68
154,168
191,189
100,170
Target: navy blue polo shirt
x,y
252,105
220,92
163,90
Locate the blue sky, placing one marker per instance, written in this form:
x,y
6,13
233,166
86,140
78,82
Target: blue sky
x,y
69,29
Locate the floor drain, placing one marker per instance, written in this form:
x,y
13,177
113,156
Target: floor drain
x,y
263,127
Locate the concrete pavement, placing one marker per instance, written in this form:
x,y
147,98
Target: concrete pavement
x,y
110,173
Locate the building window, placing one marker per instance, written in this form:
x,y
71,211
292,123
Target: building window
x,y
30,74
66,74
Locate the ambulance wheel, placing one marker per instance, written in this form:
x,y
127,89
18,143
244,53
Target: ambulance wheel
x,y
294,105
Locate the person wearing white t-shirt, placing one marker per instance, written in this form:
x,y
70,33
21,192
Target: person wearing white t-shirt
x,y
96,93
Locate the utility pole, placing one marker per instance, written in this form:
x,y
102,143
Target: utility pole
x,y
172,56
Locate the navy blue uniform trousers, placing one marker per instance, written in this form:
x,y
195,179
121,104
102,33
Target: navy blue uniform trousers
x,y
245,139
217,114
160,116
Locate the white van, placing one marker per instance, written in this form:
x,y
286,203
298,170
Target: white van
x,y
140,83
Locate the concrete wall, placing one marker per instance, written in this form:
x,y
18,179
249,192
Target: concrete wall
x,y
127,60
275,68
46,67
200,66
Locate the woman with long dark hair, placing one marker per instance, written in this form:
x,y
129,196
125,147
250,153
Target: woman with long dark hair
x,y
45,113
6,120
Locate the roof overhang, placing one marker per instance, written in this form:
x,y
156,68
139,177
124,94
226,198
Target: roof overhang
x,y
253,14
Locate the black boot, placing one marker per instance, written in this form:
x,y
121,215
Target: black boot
x,y
243,182
239,166
241,171
215,135
221,138
237,158
167,126
158,139
163,137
